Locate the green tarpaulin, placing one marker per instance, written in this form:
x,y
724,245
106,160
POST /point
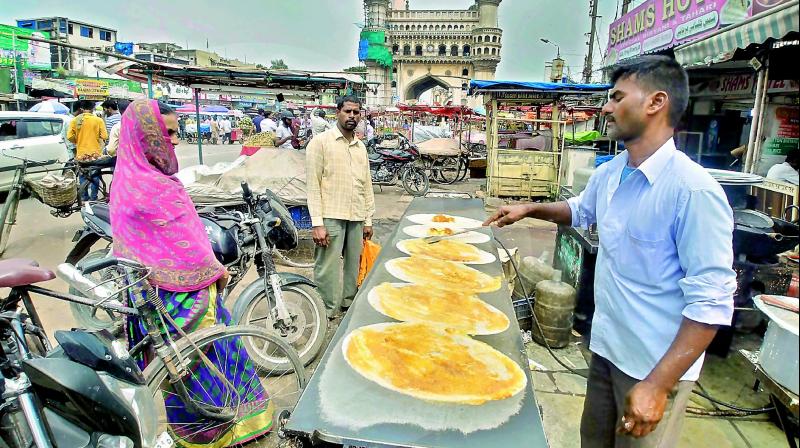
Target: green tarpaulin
x,y
377,50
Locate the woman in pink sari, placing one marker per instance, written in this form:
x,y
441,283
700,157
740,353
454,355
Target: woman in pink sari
x,y
155,223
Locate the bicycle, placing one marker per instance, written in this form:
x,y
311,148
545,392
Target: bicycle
x,y
184,368
64,199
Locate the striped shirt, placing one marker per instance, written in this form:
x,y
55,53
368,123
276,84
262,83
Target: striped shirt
x,y
112,120
338,179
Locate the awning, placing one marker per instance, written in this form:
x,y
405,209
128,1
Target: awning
x,y
720,47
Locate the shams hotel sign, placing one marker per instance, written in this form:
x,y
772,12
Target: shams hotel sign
x,y
660,24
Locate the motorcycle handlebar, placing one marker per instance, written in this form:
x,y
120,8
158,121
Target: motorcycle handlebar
x,y
246,193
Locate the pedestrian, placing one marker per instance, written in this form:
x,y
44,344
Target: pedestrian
x,y
111,112
182,127
663,276
341,204
284,132
786,171
88,133
227,129
268,124
155,223
257,120
370,129
215,131
318,123
113,135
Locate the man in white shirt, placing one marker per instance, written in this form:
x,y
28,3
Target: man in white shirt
x,y
227,130
268,124
284,132
786,171
318,123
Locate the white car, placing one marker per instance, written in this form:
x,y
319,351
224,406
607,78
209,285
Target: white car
x,y
40,138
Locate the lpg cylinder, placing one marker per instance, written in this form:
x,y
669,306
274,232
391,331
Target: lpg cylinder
x,y
555,303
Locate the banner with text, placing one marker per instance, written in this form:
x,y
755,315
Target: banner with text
x,y
661,24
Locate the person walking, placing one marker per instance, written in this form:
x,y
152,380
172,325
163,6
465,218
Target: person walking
x,y
227,129
88,133
664,280
318,123
111,111
215,131
341,204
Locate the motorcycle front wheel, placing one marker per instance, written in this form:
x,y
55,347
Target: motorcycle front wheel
x,y
309,323
416,182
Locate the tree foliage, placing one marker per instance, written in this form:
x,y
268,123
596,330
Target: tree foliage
x,y
278,64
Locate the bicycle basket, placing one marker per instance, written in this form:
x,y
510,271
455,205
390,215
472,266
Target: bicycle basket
x,y
56,190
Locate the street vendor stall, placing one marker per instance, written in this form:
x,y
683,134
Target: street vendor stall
x,y
350,407
525,173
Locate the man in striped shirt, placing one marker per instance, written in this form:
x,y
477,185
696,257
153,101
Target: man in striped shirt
x,y
111,110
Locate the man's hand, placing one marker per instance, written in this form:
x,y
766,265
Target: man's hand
x,y
508,214
644,408
320,236
368,232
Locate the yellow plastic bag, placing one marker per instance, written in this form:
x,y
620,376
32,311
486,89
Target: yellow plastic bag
x,y
368,256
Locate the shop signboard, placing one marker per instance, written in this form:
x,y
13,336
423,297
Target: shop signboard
x,y
760,6
781,129
33,55
783,86
729,85
91,89
660,24
522,96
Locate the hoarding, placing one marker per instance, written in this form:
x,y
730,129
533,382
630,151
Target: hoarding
x,y
660,24
34,55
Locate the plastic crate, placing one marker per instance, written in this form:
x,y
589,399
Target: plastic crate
x,y
301,217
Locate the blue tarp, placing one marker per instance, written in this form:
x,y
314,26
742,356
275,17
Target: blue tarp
x,y
363,48
124,48
489,86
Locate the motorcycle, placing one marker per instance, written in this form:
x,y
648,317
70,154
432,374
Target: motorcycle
x,y
240,237
86,393
401,160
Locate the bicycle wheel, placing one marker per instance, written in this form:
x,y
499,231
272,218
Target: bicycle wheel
x,y
251,399
284,259
463,168
8,217
448,169
306,333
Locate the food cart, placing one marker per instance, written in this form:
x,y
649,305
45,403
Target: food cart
x,y
342,407
523,173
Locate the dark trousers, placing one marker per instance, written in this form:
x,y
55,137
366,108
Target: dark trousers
x,y
605,405
90,193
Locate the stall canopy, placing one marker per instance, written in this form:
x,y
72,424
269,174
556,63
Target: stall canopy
x,y
476,86
442,111
721,46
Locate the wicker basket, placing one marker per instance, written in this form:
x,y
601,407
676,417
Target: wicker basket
x,y
56,190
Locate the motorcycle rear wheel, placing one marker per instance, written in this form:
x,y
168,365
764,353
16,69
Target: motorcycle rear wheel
x,y
416,182
307,310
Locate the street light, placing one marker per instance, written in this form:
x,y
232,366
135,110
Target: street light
x,y
558,49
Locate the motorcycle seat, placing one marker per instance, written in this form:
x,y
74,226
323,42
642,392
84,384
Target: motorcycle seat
x,y
22,271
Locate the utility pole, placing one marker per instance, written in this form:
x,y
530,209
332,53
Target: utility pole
x,y
587,65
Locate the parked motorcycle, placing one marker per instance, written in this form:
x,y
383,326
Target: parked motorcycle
x,y
240,237
86,393
400,161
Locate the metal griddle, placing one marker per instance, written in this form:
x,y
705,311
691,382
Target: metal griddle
x,y
370,402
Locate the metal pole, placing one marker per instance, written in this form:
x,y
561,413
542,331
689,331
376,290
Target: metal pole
x,y
150,85
751,141
761,119
587,67
197,118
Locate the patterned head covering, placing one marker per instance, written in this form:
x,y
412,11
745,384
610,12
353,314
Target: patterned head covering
x,y
153,220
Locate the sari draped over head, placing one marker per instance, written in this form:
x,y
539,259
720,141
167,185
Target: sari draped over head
x,y
153,219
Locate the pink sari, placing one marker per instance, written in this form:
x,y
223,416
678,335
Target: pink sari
x,y
153,219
